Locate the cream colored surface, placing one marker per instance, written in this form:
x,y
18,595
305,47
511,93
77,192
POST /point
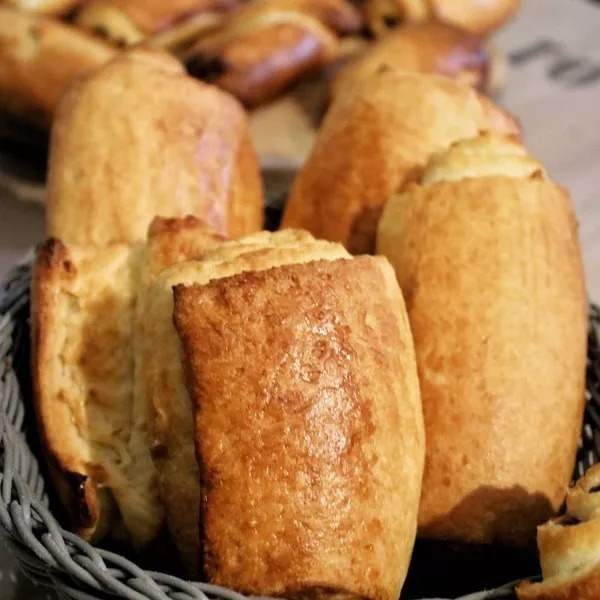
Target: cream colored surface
x,y
84,303
482,156
163,380
491,271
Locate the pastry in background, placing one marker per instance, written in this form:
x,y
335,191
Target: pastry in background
x,y
310,480
479,17
160,377
266,45
127,22
39,58
113,17
47,7
569,547
486,252
374,139
428,47
170,146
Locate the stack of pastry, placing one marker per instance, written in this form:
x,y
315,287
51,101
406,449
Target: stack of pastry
x,y
298,387
261,397
486,253
267,53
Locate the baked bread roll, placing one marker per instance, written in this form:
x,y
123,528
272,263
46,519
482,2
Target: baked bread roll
x,y
170,146
310,479
85,338
475,16
83,302
40,57
374,139
569,547
488,259
160,379
262,49
428,47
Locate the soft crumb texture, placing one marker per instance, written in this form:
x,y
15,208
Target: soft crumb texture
x,y
490,267
82,320
171,146
375,138
162,380
482,156
308,428
569,547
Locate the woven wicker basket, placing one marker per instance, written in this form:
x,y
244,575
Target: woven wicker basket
x,y
52,556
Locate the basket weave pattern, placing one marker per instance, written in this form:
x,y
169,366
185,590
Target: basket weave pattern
x,y
50,555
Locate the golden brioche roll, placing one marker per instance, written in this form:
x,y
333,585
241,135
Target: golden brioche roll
x,y
310,479
47,7
374,139
85,353
39,58
428,47
171,146
569,547
83,302
490,266
479,17
160,378
257,55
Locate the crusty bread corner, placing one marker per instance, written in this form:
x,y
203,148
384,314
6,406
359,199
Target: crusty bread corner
x,y
160,376
569,547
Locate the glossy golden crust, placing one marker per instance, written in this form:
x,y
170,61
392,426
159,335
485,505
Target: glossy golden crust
x,y
478,17
256,56
429,47
491,271
160,376
374,139
107,182
569,547
82,322
39,58
311,478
